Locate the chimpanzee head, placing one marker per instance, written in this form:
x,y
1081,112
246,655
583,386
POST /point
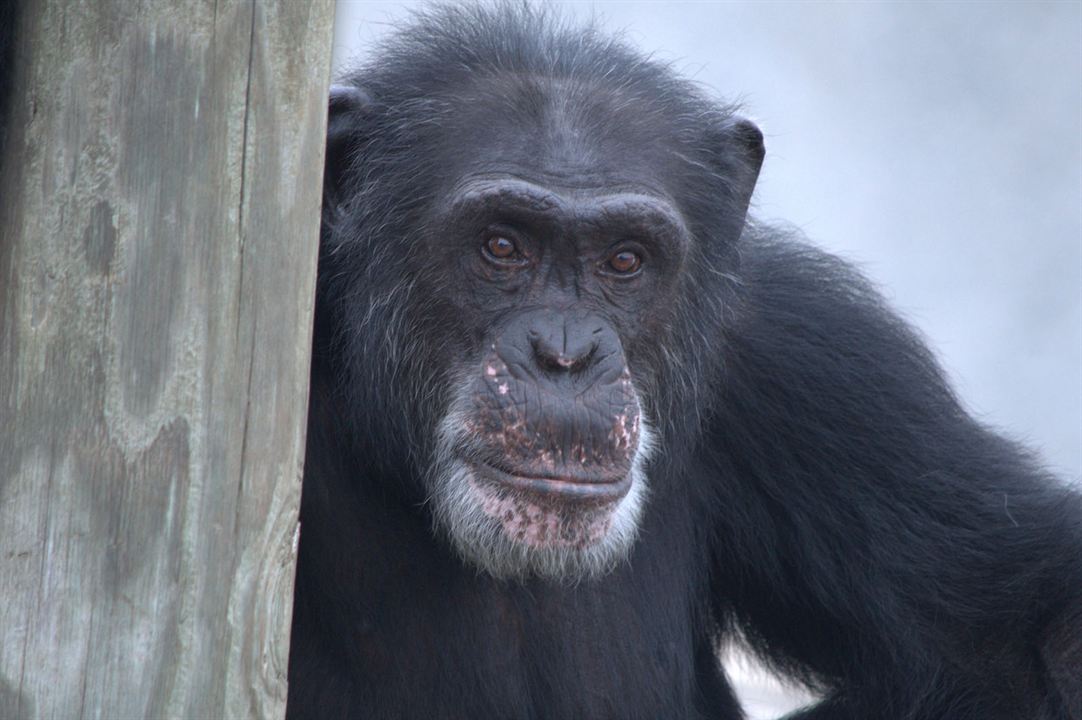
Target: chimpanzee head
x,y
526,272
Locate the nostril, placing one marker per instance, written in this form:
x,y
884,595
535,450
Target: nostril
x,y
564,362
547,358
551,359
584,360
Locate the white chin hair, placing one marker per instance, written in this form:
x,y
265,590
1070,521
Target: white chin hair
x,y
511,536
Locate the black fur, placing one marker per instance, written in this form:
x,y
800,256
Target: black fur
x,y
819,487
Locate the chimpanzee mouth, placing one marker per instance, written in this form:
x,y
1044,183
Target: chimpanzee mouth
x,y
531,513
570,487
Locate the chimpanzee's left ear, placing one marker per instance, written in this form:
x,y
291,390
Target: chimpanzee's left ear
x,y
348,113
740,152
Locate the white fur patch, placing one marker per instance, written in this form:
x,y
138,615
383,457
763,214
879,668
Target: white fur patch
x,y
511,535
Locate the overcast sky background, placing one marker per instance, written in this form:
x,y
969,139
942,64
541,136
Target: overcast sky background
x,y
939,145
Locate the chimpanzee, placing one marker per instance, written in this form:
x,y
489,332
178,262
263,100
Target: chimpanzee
x,y
576,419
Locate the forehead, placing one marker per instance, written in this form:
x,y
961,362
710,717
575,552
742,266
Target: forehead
x,y
553,132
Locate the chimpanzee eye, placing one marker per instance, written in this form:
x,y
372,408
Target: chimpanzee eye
x,y
625,262
501,248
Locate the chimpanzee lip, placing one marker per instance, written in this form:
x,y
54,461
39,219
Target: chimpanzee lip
x,y
597,488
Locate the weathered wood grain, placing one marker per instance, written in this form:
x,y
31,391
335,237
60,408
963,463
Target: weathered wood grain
x,y
159,203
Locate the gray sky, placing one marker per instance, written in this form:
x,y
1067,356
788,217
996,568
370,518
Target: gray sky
x,y
939,145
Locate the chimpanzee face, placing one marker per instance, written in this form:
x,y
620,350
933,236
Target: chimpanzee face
x,y
522,265
546,443
556,266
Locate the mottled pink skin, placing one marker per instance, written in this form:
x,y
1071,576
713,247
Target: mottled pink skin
x,y
541,525
528,428
625,432
579,429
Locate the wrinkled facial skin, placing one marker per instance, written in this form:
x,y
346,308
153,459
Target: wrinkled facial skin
x,y
566,415
541,458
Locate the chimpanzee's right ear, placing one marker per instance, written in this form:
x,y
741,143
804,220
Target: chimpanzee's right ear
x,y
347,116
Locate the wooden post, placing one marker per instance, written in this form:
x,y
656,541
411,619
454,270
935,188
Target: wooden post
x,y
159,213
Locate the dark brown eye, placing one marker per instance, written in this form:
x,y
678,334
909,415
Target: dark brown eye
x,y
501,248
625,262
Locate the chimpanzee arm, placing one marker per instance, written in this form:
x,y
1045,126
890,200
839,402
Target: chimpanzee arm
x,y
873,538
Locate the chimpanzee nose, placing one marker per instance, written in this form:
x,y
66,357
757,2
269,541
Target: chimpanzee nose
x,y
564,344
